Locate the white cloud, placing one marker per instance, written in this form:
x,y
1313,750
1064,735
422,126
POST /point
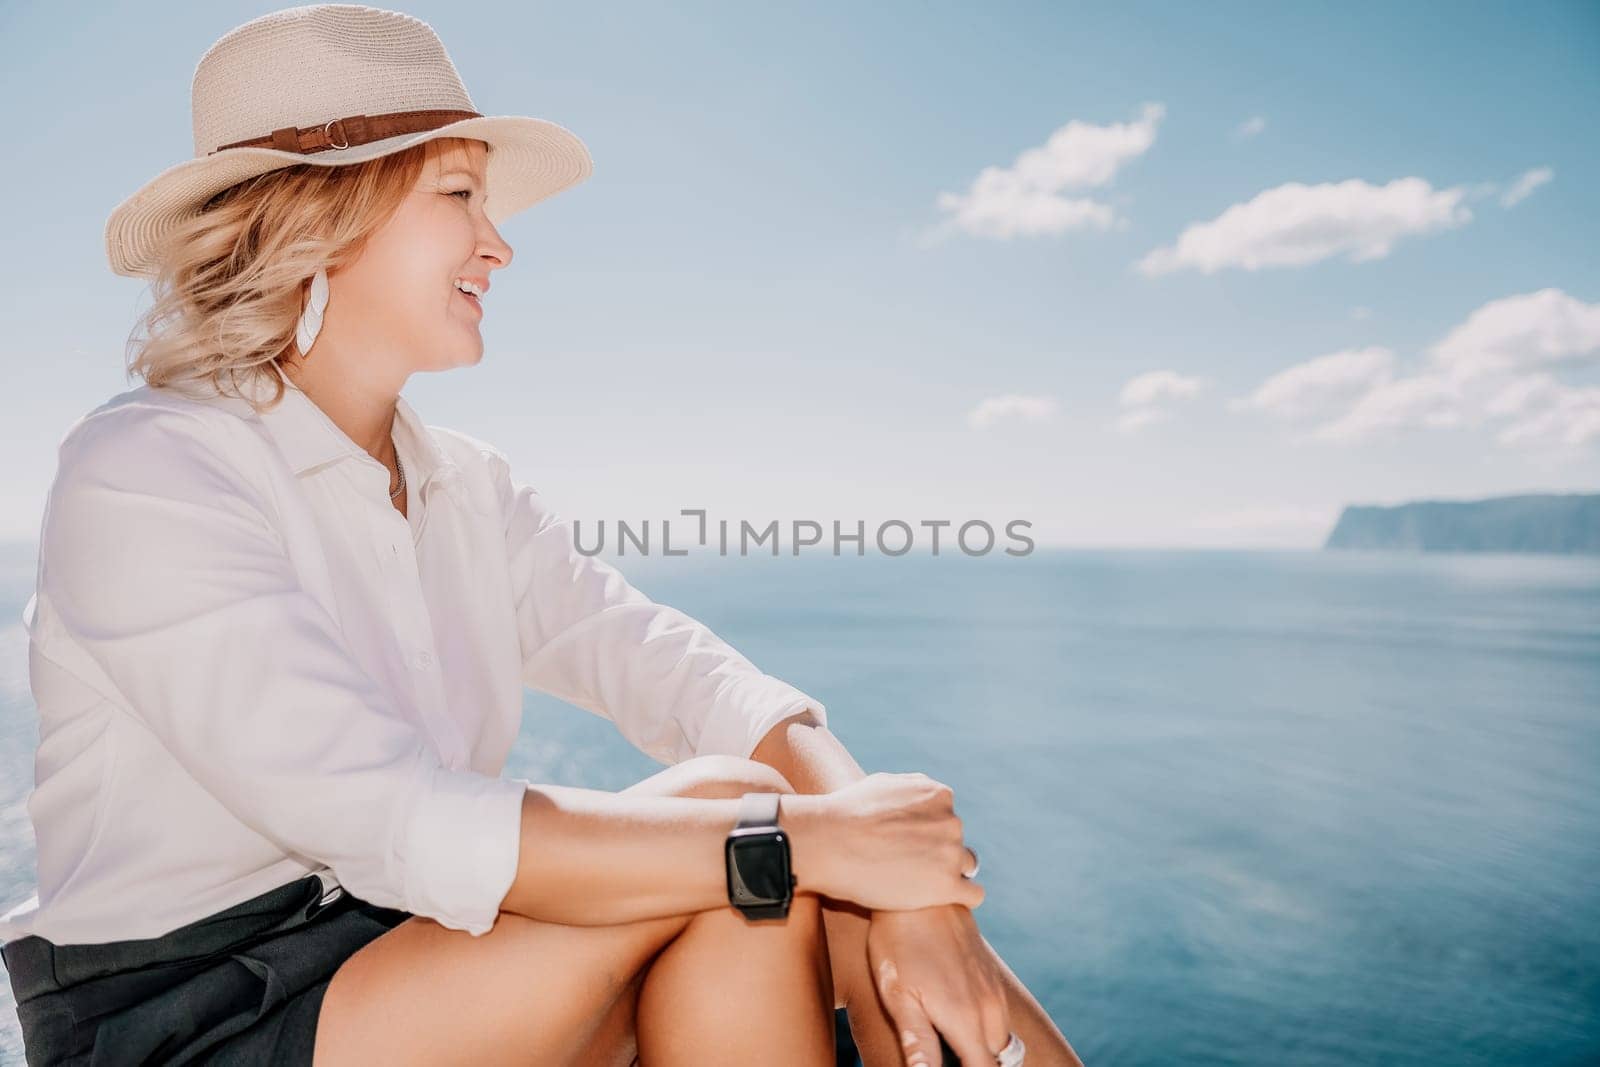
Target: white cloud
x,y
1320,384
1492,370
1032,408
1138,418
1573,421
1249,127
1526,183
1155,386
1524,332
1293,225
1423,400
1143,397
1026,199
1543,410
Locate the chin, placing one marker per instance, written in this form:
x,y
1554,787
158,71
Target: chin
x,y
458,356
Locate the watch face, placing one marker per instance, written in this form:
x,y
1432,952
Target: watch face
x,y
760,868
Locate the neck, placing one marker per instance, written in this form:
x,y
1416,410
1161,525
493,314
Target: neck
x,y
364,410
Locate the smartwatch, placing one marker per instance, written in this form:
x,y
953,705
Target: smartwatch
x,y
760,883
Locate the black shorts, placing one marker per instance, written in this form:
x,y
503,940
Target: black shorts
x,y
243,986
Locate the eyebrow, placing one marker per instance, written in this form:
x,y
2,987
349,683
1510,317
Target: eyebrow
x,y
462,172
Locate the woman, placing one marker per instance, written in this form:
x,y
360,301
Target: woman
x,y
281,634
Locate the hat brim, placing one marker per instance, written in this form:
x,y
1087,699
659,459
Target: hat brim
x,y
532,159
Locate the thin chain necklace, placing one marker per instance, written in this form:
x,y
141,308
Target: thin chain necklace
x,y
395,495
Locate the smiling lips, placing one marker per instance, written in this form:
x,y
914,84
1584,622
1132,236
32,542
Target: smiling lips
x,y
473,290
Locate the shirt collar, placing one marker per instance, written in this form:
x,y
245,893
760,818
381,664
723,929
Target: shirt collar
x,y
309,439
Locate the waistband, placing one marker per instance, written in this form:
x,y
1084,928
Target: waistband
x,y
38,966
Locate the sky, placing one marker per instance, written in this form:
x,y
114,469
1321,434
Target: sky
x,y
1139,275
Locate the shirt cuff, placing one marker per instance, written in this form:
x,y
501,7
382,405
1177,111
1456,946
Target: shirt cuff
x,y
747,709
462,846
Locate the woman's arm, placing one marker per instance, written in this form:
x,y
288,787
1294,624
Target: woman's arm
x,y
590,858
673,687
593,858
809,755
162,560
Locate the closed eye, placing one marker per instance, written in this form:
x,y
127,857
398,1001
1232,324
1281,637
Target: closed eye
x,y
463,192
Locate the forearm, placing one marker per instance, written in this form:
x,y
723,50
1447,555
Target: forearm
x,y
808,755
592,858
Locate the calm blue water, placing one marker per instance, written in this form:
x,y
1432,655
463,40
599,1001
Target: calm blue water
x,y
1233,807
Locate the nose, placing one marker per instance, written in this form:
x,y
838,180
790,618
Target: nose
x,y
493,247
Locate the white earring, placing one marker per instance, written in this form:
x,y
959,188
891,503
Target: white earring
x,y
311,319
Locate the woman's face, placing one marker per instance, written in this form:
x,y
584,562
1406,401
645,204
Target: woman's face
x,y
398,303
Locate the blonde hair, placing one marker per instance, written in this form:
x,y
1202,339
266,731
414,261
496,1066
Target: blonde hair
x,y
229,289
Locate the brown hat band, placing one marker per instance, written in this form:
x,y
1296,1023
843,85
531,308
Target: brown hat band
x,y
351,130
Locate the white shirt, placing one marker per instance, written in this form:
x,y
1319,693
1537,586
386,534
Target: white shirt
x,y
250,667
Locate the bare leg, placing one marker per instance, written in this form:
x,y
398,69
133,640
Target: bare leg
x,y
733,990
531,991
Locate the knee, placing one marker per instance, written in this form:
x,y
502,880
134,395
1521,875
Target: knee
x,y
802,928
720,776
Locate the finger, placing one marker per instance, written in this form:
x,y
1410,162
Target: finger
x,y
967,1028
996,1017
919,1044
970,1046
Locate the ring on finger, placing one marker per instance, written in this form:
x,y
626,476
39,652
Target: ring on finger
x,y
1011,1055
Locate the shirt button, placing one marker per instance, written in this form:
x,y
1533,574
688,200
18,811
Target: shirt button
x,y
424,660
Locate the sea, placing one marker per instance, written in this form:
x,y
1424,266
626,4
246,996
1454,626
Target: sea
x,y
1233,807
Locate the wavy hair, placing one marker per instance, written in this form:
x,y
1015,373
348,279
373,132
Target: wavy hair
x,y
230,286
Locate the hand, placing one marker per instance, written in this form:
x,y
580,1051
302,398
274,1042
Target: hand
x,y
890,841
933,973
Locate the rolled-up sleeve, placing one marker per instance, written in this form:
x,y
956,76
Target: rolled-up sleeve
x,y
673,688
162,561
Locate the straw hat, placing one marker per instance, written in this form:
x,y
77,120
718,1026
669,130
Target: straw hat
x,y
331,85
